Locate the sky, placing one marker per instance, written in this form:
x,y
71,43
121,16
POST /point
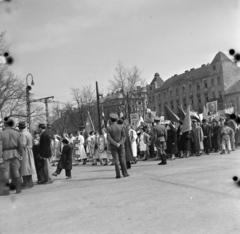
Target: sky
x,y
68,44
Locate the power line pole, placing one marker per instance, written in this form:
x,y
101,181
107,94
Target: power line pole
x,y
98,108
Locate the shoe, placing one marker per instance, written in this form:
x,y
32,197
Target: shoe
x,y
68,177
18,185
41,182
223,152
118,177
126,175
25,187
54,174
48,182
145,159
162,163
228,152
173,158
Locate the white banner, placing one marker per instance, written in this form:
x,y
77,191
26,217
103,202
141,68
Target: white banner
x,y
212,108
134,118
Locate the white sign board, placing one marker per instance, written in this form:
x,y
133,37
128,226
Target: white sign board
x,y
134,117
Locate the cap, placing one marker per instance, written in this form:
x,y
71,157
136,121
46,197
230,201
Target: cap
x,y
156,119
41,125
120,121
65,141
22,125
9,122
113,116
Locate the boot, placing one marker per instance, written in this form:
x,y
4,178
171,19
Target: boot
x,y
223,152
18,185
4,190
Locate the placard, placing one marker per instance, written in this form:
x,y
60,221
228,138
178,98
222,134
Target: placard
x,y
134,118
212,108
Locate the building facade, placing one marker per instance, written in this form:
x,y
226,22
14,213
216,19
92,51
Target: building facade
x,y
196,86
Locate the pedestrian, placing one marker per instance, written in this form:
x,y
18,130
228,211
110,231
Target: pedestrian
x,y
196,137
172,141
27,168
206,136
180,140
45,155
233,125
116,137
133,139
160,140
216,131
12,150
65,161
80,146
226,136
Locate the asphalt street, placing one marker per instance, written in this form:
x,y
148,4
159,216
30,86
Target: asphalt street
x,y
190,196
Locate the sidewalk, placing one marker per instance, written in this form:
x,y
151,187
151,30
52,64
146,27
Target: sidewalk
x,y
189,196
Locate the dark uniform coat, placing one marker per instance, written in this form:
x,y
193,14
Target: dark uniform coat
x,y
216,137
207,131
172,141
128,147
45,145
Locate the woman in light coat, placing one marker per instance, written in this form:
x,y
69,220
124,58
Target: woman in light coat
x,y
27,168
133,139
80,146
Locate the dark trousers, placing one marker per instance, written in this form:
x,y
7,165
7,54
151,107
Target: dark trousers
x,y
67,172
13,165
206,145
161,145
118,156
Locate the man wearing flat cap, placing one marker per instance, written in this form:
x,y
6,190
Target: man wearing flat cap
x,y
160,133
45,154
116,136
11,156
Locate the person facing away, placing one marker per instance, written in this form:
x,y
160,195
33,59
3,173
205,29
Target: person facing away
x,y
65,161
45,155
116,137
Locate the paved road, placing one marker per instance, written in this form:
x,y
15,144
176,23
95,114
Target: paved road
x,y
189,196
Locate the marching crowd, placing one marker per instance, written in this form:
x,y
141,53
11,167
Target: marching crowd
x,y
23,155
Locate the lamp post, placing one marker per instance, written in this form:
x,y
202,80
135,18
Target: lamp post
x,y
28,88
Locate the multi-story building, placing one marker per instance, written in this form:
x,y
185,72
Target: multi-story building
x,y
196,86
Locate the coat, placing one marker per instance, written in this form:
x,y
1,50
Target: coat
x,y
197,138
45,145
181,139
207,131
133,139
172,141
27,163
216,131
128,147
11,144
80,146
65,161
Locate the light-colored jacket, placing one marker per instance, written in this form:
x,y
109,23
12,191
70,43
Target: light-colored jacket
x,y
11,144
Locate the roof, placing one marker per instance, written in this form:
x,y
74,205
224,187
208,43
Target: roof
x,y
220,56
233,88
157,79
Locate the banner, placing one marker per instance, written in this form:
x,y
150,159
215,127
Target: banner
x,y
211,108
168,114
134,118
187,123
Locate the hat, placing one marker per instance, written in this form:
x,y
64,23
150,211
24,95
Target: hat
x,y
22,125
9,122
113,116
43,126
65,141
204,120
156,119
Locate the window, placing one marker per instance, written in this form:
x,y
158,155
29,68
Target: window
x,y
205,84
177,92
214,68
213,95
150,88
198,87
164,95
219,80
206,98
159,96
190,88
172,105
183,89
170,93
212,82
220,94
139,103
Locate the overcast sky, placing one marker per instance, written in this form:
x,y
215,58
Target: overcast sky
x,y
72,43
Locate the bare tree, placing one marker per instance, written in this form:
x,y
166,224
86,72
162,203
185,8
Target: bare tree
x,y
126,79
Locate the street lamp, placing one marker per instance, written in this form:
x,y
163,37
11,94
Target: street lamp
x,y
28,88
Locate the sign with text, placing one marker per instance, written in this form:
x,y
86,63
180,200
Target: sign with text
x,y
76,152
134,118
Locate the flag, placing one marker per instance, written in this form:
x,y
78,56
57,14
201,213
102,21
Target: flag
x,y
205,113
181,112
140,121
103,120
89,124
187,123
169,115
121,115
194,115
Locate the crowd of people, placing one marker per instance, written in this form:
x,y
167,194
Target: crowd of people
x,y
23,155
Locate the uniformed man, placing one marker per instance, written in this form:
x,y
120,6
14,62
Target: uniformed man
x,y
12,150
116,137
160,133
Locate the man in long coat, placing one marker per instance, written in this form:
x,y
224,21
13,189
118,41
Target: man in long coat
x,y
233,125
45,155
216,130
172,148
10,160
27,165
196,137
116,136
207,136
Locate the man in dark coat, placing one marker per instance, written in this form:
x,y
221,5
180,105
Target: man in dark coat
x,y
206,136
196,138
216,130
65,161
116,136
172,141
45,155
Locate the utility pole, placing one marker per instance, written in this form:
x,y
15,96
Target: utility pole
x,y
46,101
28,88
128,109
98,108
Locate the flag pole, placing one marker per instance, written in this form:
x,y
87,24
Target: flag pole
x,y
98,108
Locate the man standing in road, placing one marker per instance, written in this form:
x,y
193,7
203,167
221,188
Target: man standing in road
x,y
116,136
160,133
45,155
